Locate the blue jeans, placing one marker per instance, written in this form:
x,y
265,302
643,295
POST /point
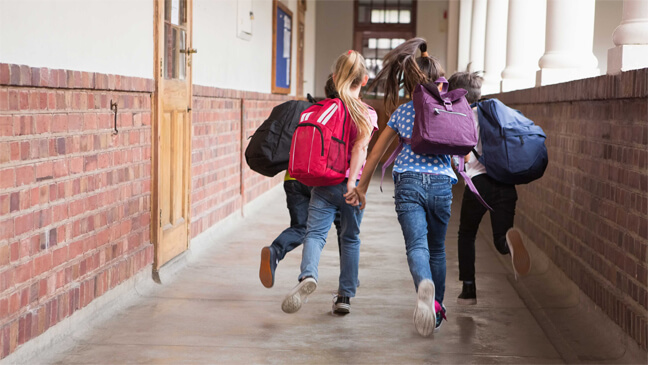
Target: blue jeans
x,y
298,198
423,205
325,202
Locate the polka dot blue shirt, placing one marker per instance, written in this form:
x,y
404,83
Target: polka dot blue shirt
x,y
402,121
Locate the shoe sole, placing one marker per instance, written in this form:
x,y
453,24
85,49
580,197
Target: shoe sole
x,y
463,301
294,300
519,253
265,271
424,315
341,308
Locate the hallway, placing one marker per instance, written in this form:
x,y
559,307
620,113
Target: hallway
x,y
213,309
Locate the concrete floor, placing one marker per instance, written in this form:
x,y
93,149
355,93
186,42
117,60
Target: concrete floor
x,y
212,309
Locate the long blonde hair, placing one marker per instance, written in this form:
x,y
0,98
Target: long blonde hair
x,y
349,71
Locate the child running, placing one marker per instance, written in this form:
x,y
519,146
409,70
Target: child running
x,y
349,75
423,183
501,197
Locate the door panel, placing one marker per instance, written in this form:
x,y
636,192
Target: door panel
x,y
172,128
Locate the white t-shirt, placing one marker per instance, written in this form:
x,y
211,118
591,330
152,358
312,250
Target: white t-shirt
x,y
474,167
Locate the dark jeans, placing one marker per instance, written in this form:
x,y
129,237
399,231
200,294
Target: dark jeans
x,y
502,198
298,198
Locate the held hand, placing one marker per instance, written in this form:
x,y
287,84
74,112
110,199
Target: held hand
x,y
351,197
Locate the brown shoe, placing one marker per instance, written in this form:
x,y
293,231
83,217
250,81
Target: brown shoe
x,y
519,253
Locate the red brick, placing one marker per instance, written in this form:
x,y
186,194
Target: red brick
x,y
24,223
7,178
43,263
24,175
6,126
43,123
23,273
4,100
5,76
23,125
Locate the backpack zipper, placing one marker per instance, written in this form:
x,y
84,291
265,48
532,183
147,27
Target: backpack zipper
x,y
438,111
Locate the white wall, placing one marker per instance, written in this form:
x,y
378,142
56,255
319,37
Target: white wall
x,y
106,36
431,25
608,14
334,36
229,62
309,47
224,60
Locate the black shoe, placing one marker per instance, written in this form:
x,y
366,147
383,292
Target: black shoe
x,y
341,304
268,266
468,294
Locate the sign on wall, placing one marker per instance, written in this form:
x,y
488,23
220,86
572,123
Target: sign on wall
x,y
281,48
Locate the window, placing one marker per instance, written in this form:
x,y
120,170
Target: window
x,y
380,26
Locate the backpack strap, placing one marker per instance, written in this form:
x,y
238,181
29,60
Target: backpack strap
x,y
446,84
474,151
469,182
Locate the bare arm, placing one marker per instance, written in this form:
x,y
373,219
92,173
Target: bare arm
x,y
358,156
357,195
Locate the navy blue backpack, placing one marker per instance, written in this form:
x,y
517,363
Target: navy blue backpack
x,y
513,147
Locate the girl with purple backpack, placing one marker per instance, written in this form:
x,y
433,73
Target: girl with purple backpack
x,y
423,183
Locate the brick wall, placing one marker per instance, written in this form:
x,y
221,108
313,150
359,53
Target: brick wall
x,y
589,211
221,180
74,198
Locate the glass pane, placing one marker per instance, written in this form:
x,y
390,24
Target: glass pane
x,y
167,10
173,7
182,15
396,42
169,51
377,16
391,16
363,11
384,43
405,17
182,58
373,42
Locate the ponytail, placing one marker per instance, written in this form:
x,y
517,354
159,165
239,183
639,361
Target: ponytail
x,y
402,69
349,72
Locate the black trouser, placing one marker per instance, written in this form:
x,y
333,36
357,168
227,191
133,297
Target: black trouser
x,y
502,198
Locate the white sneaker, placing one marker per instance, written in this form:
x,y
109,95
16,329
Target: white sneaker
x,y
298,295
519,254
424,315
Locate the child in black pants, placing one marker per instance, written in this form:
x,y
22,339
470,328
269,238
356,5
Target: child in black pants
x,y
501,197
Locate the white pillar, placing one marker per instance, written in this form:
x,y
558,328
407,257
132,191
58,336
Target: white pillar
x,y
568,48
478,35
465,24
630,38
453,36
495,52
525,43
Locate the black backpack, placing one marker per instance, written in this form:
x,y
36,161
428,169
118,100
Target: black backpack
x,y
269,148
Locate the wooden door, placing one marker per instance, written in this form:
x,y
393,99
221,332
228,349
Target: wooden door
x,y
301,18
171,130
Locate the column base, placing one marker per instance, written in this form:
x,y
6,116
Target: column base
x,y
489,88
549,76
627,57
517,84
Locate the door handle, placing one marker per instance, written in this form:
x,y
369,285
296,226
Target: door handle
x,y
189,51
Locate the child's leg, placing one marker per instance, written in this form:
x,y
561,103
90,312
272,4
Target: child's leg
x,y
410,198
297,199
471,215
503,214
321,212
439,202
350,218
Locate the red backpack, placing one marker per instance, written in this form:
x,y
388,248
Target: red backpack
x,y
320,144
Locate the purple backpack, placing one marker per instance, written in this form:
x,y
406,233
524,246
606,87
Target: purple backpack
x,y
443,122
